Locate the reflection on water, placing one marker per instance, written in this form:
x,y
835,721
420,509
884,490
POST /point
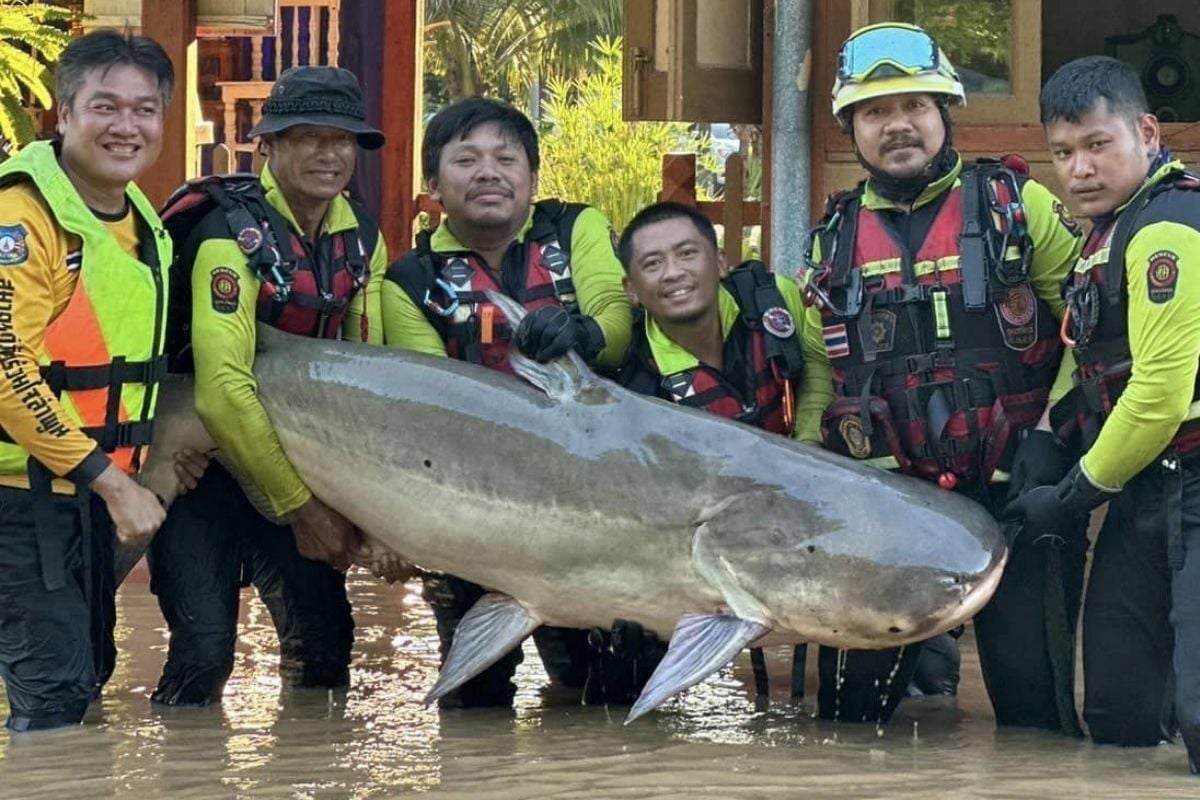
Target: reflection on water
x,y
377,740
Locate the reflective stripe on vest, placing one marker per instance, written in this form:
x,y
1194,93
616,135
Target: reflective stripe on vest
x,y
116,316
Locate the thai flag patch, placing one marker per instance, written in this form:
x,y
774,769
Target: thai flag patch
x,y
837,342
74,260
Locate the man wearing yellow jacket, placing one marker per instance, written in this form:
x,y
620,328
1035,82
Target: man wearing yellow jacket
x,y
481,161
292,252
732,347
83,261
1133,305
935,293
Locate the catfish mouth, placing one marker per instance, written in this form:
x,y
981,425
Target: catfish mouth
x,y
975,597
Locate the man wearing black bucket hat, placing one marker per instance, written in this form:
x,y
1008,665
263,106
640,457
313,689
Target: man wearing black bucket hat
x,y
289,250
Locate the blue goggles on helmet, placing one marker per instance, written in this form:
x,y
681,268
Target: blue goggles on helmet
x,y
887,51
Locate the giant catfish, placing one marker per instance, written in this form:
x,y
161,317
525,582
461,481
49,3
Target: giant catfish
x,y
576,502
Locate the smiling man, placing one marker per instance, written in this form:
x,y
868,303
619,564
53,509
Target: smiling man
x,y
83,262
291,252
1134,324
935,291
481,160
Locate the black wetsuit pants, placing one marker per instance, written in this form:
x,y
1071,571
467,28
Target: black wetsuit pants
x,y
564,651
213,543
1141,622
56,608
1017,638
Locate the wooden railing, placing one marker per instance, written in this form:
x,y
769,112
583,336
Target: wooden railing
x,y
241,97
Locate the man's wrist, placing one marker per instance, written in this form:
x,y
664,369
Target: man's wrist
x,y
1078,494
593,339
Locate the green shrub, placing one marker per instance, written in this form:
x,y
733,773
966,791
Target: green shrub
x,y
591,155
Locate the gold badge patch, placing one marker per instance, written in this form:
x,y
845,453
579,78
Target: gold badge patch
x,y
857,443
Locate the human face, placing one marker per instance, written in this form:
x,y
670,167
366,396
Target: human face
x,y
899,134
1102,160
484,179
312,163
112,129
674,272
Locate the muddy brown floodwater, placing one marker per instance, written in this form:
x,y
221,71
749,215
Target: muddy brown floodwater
x,y
377,740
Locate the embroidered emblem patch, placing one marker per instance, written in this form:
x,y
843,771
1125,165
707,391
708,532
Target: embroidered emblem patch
x,y
837,343
778,322
857,443
249,239
1066,220
1017,317
13,249
679,385
879,335
1162,275
226,289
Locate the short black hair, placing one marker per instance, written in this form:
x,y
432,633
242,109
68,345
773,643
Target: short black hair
x,y
661,212
1077,86
457,120
106,48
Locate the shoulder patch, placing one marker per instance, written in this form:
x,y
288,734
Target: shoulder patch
x,y
226,289
1162,275
13,249
1066,220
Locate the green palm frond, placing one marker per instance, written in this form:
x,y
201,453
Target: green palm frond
x,y
502,47
29,43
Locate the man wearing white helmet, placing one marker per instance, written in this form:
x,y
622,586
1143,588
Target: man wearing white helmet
x,y
933,287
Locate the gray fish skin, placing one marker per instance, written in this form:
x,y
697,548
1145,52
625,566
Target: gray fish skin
x,y
597,504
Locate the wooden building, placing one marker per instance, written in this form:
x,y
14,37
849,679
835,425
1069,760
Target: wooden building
x,y
711,60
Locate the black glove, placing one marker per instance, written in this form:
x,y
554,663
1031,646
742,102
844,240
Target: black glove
x,y
1050,514
1040,460
620,663
550,331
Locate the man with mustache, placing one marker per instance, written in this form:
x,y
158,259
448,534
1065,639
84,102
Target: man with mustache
x,y
481,160
934,289
1133,308
291,251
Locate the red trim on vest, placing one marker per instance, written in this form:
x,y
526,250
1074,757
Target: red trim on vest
x,y
495,354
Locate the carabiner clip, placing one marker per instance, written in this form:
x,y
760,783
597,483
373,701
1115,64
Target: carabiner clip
x,y
438,308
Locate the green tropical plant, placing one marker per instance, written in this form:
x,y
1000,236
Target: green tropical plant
x,y
29,44
591,155
504,47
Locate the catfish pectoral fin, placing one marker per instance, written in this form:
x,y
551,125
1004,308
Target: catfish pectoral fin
x,y
495,624
701,645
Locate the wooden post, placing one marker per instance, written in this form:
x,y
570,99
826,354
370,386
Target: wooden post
x,y
171,23
731,216
401,69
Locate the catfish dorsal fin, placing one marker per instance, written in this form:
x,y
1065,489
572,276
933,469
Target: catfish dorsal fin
x,y
562,378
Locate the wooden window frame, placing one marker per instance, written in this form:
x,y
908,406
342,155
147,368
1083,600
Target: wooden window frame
x,y
1025,60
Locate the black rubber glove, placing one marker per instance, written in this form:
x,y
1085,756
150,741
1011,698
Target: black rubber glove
x,y
1049,514
550,331
1040,460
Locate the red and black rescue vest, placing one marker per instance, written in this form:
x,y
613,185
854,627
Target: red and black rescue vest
x,y
450,287
304,288
770,347
1097,325
939,355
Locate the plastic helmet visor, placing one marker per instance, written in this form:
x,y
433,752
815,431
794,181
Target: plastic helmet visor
x,y
887,51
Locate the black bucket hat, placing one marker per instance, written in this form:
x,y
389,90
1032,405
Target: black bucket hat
x,y
329,97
